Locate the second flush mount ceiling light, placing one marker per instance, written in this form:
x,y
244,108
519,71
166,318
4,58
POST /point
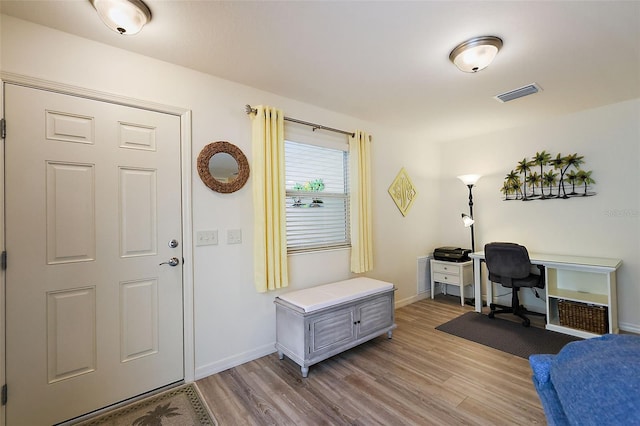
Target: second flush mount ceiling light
x,y
123,16
476,53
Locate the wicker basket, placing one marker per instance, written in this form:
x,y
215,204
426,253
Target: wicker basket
x,y
583,316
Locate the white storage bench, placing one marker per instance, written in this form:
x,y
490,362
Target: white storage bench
x,y
316,323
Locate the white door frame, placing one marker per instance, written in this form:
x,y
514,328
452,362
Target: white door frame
x,y
186,207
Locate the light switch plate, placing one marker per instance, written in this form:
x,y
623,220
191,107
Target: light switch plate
x,y
207,238
234,236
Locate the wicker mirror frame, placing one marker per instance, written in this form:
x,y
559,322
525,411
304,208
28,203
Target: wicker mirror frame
x,y
205,174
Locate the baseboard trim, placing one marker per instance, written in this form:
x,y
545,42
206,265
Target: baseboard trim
x,y
234,361
629,328
412,299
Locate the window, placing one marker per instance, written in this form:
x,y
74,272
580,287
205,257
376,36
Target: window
x,y
317,196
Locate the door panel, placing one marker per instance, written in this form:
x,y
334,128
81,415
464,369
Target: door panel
x,y
332,330
138,214
70,206
71,333
93,196
139,319
375,315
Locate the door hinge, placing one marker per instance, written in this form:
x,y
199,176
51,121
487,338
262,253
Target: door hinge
x,y
3,260
3,128
4,394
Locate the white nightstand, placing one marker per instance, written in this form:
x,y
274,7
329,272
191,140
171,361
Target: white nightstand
x,y
452,273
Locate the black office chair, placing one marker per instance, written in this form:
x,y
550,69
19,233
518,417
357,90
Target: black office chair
x,y
510,266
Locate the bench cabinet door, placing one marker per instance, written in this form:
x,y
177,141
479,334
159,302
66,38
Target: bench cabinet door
x,y
374,315
331,330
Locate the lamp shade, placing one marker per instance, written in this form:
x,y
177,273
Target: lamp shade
x,y
469,179
467,220
475,54
123,16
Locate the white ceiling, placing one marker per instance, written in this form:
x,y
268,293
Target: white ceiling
x,y
387,61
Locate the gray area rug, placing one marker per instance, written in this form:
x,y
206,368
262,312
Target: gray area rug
x,y
505,335
181,406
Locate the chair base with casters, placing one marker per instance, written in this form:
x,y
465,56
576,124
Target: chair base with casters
x,y
519,310
509,265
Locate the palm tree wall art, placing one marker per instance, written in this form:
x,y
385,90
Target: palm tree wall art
x,y
522,182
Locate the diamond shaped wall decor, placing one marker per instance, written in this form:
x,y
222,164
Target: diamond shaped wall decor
x,y
403,192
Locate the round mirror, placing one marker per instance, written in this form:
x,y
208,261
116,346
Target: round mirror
x,y
223,167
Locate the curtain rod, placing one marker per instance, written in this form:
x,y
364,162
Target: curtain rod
x,y
250,110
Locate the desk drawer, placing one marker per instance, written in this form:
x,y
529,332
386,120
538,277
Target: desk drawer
x,y
446,278
446,268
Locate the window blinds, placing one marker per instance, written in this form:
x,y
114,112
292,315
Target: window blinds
x,y
316,219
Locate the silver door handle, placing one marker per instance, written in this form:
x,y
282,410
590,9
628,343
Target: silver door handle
x,y
174,261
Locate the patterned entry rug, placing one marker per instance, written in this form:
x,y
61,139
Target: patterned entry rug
x,y
181,406
506,336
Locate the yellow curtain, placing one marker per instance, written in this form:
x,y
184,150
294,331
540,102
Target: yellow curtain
x,y
361,227
270,241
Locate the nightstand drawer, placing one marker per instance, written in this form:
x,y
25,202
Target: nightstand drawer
x,y
445,268
446,278
456,273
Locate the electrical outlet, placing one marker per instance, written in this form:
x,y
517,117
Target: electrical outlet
x,y
234,236
207,238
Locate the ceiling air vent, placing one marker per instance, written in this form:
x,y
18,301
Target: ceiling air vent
x,y
518,93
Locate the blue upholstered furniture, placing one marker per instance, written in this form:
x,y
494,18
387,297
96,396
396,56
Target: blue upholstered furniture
x,y
591,382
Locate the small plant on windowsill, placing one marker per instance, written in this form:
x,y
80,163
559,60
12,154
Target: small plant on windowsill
x,y
316,185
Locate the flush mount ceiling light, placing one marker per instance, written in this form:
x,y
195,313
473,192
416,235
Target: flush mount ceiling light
x,y
475,54
123,16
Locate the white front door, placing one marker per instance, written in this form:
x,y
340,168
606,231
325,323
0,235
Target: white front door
x,y
93,201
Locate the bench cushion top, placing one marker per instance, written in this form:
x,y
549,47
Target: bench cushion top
x,y
314,298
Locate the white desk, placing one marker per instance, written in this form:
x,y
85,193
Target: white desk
x,y
581,279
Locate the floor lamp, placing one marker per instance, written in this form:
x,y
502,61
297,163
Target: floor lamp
x,y
470,181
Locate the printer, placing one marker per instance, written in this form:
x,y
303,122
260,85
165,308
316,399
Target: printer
x,y
451,254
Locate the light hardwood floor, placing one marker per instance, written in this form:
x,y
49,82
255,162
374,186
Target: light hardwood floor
x,y
420,377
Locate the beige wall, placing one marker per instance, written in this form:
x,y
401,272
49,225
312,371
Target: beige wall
x,y
234,323
605,225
